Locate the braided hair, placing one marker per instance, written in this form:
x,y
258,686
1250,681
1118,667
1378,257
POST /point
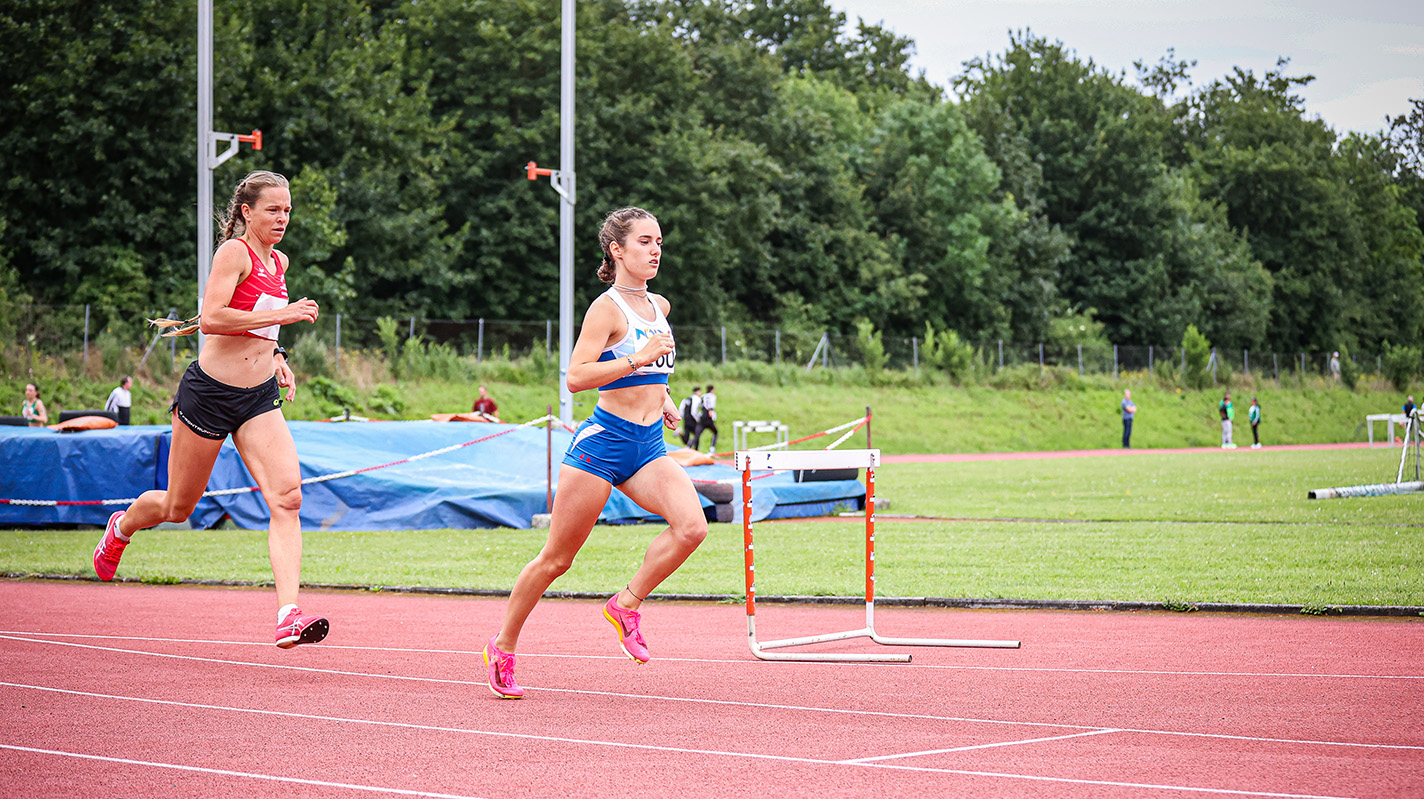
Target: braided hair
x,y
616,227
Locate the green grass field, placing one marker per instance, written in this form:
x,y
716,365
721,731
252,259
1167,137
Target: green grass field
x,y
1176,528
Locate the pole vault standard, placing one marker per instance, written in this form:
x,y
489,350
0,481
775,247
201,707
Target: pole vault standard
x,y
868,459
208,157
563,183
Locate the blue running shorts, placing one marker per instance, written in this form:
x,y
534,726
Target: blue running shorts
x,y
614,448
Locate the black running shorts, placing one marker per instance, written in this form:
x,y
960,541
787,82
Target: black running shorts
x,y
214,410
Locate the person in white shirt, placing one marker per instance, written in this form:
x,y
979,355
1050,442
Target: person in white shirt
x,y
707,420
120,400
690,409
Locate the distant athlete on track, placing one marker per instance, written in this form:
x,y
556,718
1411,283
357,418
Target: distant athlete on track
x,y
625,349
234,388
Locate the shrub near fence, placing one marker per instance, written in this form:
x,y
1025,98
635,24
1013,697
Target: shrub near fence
x,y
72,334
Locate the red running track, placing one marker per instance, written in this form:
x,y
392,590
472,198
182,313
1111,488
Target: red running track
x,y
131,690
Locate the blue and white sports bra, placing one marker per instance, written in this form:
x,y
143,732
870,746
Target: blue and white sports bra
x,y
639,330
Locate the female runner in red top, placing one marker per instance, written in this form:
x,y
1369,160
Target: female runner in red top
x,y
234,389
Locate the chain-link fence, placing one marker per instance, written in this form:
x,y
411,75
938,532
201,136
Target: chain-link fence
x,y
73,333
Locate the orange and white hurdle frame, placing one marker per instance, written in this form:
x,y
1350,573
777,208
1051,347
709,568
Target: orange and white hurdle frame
x,y
868,459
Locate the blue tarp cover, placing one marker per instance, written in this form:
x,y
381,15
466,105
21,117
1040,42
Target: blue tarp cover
x,y
499,482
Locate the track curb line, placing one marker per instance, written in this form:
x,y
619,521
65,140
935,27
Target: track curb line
x,y
926,602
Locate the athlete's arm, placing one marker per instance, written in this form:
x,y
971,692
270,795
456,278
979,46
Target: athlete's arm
x,y
602,325
231,265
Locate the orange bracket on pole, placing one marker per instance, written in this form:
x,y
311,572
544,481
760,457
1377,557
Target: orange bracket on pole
x,y
556,178
254,138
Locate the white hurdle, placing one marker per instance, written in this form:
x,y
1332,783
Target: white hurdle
x,y
764,460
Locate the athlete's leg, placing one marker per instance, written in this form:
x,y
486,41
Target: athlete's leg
x,y
266,446
190,464
712,446
664,488
577,503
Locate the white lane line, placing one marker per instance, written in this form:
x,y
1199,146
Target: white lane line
x,y
677,749
751,661
696,700
879,758
227,773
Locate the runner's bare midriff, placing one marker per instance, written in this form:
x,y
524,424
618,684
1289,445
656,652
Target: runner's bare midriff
x,y
238,361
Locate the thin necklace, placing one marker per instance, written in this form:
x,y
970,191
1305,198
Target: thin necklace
x,y
642,292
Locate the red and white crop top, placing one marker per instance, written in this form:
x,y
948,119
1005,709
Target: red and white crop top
x,y
261,291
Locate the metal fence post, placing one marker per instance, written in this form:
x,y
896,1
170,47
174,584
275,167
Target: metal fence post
x,y
1001,356
548,338
1149,357
1246,361
1114,361
338,343
85,360
411,334
1080,360
778,346
1213,365
915,352
1040,357
480,342
724,345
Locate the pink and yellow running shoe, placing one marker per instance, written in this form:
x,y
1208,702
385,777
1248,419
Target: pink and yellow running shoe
x,y
626,623
501,673
109,549
301,628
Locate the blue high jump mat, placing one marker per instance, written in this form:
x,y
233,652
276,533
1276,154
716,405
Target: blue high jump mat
x,y
407,475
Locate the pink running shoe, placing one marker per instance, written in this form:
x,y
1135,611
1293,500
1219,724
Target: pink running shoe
x,y
301,628
110,549
626,623
501,673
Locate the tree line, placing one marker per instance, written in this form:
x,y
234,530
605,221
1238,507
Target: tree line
x,y
805,176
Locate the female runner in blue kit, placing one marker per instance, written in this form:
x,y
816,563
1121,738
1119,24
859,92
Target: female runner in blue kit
x,y
625,349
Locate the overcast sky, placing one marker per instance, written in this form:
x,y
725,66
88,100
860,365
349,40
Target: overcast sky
x,y
1367,56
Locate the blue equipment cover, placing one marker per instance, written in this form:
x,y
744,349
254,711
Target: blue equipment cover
x,y
496,482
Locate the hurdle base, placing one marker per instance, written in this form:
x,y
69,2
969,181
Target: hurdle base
x,y
758,648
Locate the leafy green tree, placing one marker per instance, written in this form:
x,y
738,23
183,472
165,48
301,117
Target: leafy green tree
x,y
1253,151
329,89
1401,364
1197,357
97,151
1089,153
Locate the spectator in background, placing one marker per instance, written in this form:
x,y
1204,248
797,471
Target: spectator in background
x,y
33,408
1254,416
1128,411
120,400
1409,407
1228,414
707,421
690,409
486,407
1335,367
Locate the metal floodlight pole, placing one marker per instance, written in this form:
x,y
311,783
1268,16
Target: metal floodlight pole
x,y
563,182
208,157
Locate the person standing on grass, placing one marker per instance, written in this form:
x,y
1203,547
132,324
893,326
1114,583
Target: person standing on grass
x,y
234,388
485,406
33,409
1254,416
625,349
121,400
1228,414
1408,408
690,409
708,420
1128,411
